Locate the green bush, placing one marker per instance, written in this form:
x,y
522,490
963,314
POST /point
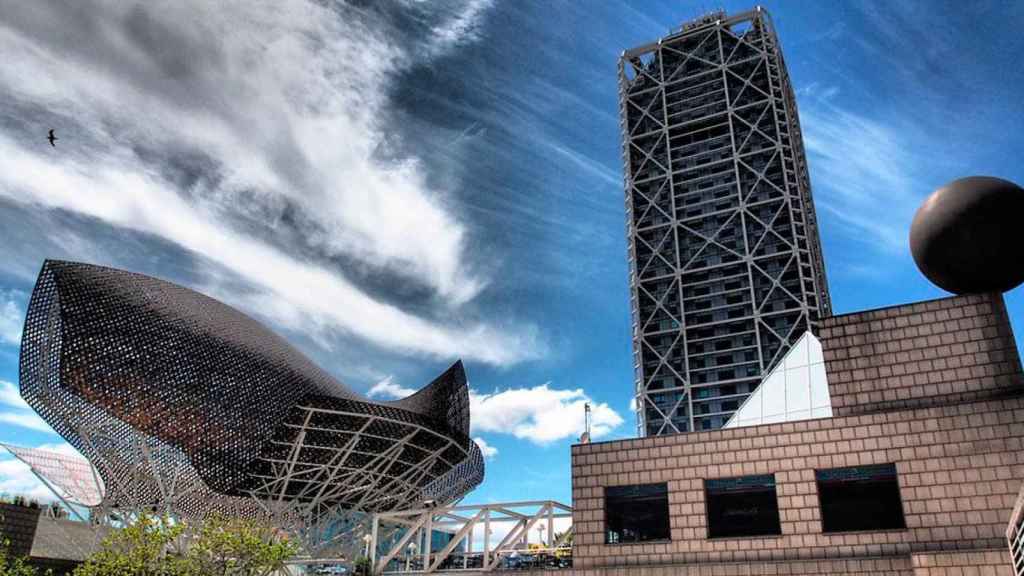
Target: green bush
x,y
238,547
151,546
362,566
14,566
157,546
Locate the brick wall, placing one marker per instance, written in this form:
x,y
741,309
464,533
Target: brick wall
x,y
958,469
18,527
838,567
955,349
967,563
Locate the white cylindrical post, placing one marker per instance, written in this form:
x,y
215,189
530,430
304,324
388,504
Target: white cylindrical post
x,y
428,530
410,551
487,538
551,525
374,530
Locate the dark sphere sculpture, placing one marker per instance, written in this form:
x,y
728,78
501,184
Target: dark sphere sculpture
x,y
968,236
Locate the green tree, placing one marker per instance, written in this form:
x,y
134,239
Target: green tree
x,y
238,547
154,546
150,546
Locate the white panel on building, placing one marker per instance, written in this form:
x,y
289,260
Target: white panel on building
x,y
795,390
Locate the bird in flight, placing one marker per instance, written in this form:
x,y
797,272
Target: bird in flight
x,y
52,138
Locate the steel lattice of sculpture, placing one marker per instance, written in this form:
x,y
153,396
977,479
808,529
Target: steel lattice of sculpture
x,y
186,405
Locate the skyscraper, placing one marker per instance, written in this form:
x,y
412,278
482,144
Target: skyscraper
x,y
726,269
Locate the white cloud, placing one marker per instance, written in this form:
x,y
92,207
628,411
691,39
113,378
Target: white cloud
x,y
12,318
28,420
62,448
486,449
299,295
272,135
540,414
388,389
308,133
21,415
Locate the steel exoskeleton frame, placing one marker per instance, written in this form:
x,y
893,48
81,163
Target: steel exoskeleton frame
x,y
189,408
726,269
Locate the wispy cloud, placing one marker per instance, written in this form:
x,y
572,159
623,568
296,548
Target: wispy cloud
x,y
818,91
10,396
901,104
303,296
540,414
865,171
25,420
588,165
463,28
226,148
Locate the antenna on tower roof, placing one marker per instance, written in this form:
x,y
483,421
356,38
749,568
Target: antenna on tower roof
x,y
585,437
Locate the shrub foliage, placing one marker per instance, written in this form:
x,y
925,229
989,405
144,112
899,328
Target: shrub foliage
x,y
158,546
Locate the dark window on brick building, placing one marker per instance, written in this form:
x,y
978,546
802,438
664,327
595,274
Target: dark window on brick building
x,y
860,498
636,513
744,506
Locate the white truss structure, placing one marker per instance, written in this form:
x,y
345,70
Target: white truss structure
x,y
482,536
726,269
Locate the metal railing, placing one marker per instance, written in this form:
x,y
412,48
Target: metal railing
x,y
1015,535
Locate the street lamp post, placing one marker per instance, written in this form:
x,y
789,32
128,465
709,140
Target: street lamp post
x,y
367,542
411,552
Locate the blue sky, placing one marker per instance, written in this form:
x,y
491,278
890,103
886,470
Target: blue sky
x,y
395,185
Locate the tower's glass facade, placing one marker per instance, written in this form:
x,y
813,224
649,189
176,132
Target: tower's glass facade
x,y
726,270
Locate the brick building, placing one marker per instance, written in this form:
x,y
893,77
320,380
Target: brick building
x,y
917,472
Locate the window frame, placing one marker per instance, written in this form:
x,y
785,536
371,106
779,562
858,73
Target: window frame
x,y
899,498
707,508
607,509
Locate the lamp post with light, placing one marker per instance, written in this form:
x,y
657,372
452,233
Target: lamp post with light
x,y
411,552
